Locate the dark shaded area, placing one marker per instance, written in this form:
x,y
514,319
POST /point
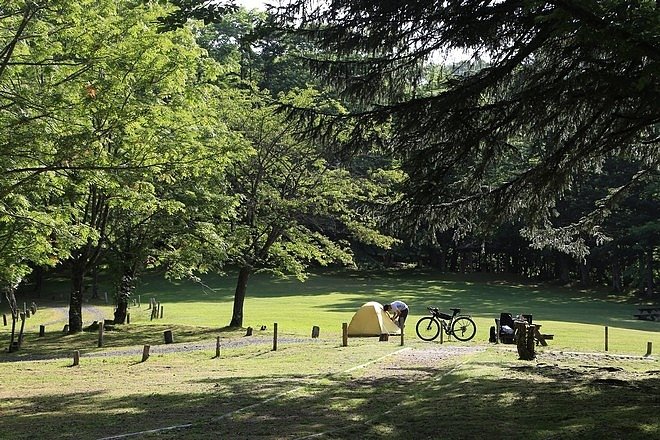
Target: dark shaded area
x,y
542,401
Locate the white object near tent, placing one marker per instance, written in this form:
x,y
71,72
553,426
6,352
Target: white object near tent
x,y
371,320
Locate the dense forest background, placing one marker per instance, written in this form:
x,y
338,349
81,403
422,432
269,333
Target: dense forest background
x,y
187,138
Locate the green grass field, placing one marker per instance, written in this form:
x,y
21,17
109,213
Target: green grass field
x,y
318,388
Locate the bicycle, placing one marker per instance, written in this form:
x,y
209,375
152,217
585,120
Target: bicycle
x,y
462,327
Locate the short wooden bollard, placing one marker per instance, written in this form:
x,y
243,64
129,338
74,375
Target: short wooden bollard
x,y
217,347
169,338
344,334
138,300
66,328
607,338
275,336
315,331
441,335
4,320
101,327
402,327
145,352
128,318
161,310
76,358
384,337
28,313
248,331
42,331
649,348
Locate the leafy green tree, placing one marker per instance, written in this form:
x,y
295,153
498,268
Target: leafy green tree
x,y
293,206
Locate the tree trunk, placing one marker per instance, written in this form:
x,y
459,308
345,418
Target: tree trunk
x,y
239,297
76,299
123,295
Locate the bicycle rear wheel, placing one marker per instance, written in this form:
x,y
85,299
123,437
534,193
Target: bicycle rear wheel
x,y
464,328
427,329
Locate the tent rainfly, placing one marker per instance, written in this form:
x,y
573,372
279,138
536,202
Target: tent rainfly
x,y
371,320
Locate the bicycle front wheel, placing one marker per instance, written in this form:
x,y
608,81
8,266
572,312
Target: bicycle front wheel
x,y
464,328
427,329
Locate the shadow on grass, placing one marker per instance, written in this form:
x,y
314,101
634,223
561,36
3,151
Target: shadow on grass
x,y
477,294
536,402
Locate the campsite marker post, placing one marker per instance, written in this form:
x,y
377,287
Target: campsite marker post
x,y
606,338
344,334
402,327
274,336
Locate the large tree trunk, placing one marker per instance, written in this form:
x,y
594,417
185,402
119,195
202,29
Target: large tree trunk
x,y
76,299
123,295
239,297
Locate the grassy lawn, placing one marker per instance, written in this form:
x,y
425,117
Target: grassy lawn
x,y
576,318
307,387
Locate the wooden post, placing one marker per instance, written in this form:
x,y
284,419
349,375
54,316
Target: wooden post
x,y
76,358
315,331
384,337
101,327
145,352
105,296
161,310
649,348
138,300
249,331
442,336
402,327
169,338
66,328
128,318
4,320
275,336
217,347
344,334
24,307
42,330
28,313
607,338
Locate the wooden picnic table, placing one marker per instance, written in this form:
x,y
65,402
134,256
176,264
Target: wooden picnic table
x,y
650,313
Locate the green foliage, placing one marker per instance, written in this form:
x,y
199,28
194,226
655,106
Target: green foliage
x,y
552,90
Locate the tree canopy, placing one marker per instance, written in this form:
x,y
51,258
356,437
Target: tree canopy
x,y
551,90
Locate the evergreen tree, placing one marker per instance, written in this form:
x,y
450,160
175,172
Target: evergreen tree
x,y
553,89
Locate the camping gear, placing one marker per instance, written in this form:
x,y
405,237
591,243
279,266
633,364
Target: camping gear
x,y
371,320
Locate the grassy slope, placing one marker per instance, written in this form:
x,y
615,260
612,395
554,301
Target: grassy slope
x,y
303,389
576,318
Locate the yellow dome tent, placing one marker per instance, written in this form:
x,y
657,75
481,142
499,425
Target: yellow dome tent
x,y
371,320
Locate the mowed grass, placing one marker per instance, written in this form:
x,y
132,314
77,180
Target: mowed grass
x,y
309,387
196,311
368,390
